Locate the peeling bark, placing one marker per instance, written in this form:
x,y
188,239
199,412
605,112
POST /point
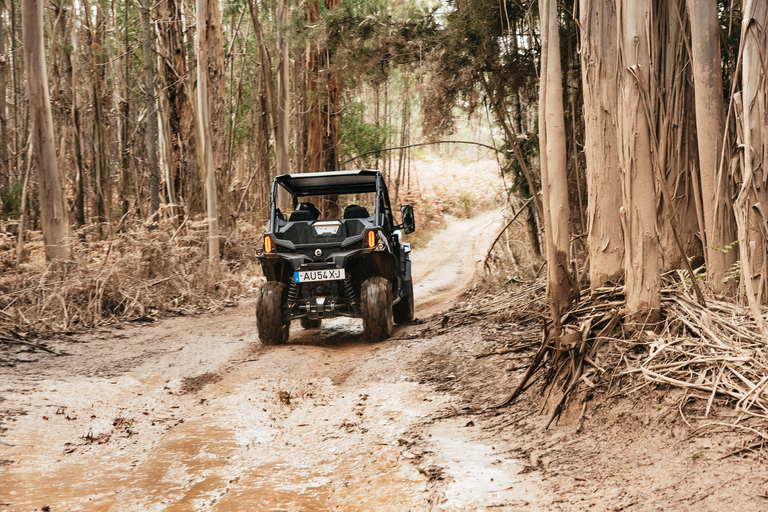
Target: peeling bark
x,y
710,124
638,213
601,145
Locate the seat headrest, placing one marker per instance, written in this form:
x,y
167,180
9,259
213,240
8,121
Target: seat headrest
x,y
309,207
355,211
300,215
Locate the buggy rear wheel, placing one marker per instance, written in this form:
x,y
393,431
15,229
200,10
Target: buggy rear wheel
x,y
269,317
376,308
403,311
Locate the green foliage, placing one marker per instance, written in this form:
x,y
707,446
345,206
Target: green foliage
x,y
358,137
11,202
481,43
728,248
730,22
365,38
530,148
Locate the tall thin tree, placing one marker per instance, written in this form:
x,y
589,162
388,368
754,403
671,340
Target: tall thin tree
x,y
151,128
561,287
204,122
52,212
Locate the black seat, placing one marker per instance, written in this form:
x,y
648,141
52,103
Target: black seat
x,y
305,211
299,215
355,211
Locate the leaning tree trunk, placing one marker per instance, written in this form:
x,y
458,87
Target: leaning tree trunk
x,y
601,146
52,212
638,214
718,226
561,287
151,128
204,123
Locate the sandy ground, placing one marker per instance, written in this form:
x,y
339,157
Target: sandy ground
x,y
193,413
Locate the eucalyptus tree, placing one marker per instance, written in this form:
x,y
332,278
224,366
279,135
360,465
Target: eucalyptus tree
x,y
561,286
55,223
148,36
205,131
598,22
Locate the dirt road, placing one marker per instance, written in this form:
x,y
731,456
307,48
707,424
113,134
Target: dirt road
x,y
192,413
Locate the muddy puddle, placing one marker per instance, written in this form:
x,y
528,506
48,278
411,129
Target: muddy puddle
x,y
477,474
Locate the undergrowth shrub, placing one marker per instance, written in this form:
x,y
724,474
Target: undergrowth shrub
x,y
141,272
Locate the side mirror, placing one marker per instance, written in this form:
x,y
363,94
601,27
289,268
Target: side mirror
x,y
409,222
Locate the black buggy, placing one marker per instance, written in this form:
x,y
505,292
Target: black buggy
x,y
352,264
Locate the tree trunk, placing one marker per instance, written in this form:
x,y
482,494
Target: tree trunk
x,y
282,134
601,146
16,101
332,115
752,201
298,117
151,127
718,226
204,131
561,287
4,171
76,140
503,119
263,138
638,215
100,171
166,149
125,111
216,70
184,171
313,97
53,214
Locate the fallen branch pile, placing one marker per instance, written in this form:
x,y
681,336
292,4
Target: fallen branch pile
x,y
716,351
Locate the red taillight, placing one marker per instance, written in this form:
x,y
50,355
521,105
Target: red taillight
x,y
370,239
268,246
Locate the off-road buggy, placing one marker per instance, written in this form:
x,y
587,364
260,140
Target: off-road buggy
x,y
350,261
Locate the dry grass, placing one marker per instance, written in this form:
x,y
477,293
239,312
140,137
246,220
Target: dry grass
x,y
140,274
143,273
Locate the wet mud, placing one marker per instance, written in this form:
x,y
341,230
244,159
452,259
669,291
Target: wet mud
x,y
196,414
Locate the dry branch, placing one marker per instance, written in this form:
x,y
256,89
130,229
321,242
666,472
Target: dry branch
x,y
717,350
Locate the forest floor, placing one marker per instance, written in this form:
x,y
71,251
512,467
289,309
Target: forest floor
x,y
193,413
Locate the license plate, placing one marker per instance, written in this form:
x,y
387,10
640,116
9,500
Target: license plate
x,y
311,276
327,228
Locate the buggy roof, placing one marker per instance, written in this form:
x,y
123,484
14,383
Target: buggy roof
x,y
329,183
